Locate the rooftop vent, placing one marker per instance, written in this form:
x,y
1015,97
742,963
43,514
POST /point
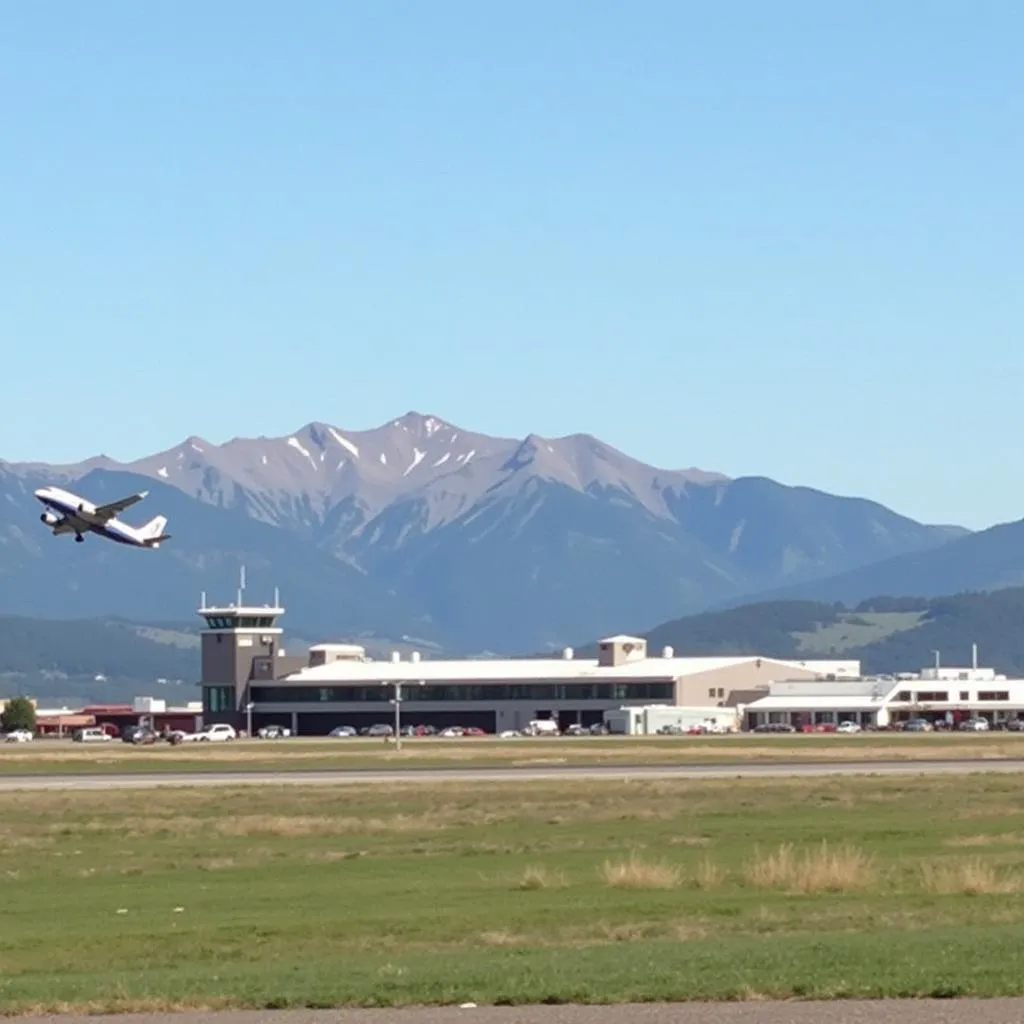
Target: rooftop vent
x,y
325,654
668,652
567,654
396,656
415,656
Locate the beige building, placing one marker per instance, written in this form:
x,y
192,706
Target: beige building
x,y
340,686
245,670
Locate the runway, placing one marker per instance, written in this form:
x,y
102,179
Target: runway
x,y
909,1011
403,776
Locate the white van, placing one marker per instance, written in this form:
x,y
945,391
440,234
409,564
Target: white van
x,y
542,727
91,735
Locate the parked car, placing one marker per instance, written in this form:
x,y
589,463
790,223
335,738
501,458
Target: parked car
x,y
139,735
974,725
343,732
273,732
216,733
848,726
917,725
19,736
91,735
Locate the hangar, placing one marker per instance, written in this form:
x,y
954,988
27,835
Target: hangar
x,y
245,671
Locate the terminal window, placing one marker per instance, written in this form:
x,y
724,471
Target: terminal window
x,y
218,699
464,692
239,621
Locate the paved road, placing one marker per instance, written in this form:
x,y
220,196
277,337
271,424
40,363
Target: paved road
x,y
916,1011
760,769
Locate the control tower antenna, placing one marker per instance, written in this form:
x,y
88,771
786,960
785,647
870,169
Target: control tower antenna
x,y
241,584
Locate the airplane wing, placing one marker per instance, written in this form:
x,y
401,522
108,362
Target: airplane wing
x,y
114,508
62,526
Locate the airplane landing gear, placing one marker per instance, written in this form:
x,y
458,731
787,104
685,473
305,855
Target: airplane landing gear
x,y
79,538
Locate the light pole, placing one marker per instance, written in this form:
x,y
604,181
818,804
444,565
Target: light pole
x,y
397,702
248,719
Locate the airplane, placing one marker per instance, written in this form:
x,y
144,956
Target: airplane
x,y
78,516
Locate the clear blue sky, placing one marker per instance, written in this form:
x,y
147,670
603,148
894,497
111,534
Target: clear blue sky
x,y
762,238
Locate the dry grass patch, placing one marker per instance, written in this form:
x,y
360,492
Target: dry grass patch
x,y
280,825
986,839
689,841
501,938
536,876
970,877
709,874
637,873
823,869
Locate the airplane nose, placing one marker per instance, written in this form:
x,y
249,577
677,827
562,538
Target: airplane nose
x,y
41,493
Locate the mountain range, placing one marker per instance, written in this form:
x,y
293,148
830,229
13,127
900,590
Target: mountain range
x,y
102,660
421,532
888,634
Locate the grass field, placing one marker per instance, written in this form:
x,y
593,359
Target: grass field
x,y
856,629
49,756
512,893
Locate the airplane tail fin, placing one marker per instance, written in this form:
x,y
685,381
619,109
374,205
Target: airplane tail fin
x,y
153,531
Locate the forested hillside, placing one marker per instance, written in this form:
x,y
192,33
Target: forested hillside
x,y
888,634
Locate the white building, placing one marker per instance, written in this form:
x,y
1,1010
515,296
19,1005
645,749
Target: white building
x,y
341,686
935,694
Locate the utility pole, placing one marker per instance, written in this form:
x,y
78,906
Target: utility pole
x,y
398,716
397,702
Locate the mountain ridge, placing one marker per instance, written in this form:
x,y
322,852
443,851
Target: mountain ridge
x,y
100,660
888,633
475,543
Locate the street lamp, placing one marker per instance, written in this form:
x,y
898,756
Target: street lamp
x,y
397,702
248,719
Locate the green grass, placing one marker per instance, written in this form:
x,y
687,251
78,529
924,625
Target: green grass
x,y
512,892
48,757
856,629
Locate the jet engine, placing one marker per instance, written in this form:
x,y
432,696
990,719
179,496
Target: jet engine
x,y
50,519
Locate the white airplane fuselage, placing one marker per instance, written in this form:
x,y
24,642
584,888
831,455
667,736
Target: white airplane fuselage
x,y
69,513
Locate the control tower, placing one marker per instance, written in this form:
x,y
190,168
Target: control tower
x,y
241,642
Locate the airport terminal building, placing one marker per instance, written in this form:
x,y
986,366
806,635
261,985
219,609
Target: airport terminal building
x,y
941,696
245,670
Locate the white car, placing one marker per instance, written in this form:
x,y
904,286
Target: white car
x,y
217,733
91,735
273,732
19,736
974,725
848,726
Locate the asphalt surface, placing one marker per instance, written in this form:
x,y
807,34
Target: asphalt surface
x,y
915,1011
761,769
